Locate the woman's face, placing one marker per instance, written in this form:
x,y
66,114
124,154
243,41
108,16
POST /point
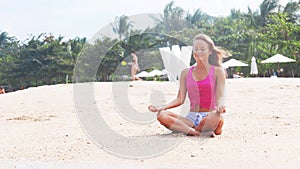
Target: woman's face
x,y
201,50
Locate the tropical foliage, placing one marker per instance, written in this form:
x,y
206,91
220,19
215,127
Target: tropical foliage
x,y
45,59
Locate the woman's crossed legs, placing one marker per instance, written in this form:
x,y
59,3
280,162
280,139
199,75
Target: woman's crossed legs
x,y
212,122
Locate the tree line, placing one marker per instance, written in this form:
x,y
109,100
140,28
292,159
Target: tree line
x,y
45,59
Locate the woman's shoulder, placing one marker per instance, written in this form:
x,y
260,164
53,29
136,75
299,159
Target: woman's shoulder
x,y
185,71
219,70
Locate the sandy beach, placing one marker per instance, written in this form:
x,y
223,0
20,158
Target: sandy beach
x,y
43,127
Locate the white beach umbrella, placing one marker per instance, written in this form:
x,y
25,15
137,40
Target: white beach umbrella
x,y
156,72
143,74
253,70
278,58
233,63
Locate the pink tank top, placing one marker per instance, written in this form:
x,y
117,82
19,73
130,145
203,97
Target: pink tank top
x,y
201,93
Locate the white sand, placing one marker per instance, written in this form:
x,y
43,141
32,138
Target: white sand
x,y
40,127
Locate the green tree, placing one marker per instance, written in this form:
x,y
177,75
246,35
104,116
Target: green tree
x,y
9,50
172,19
280,36
199,20
292,11
265,9
122,27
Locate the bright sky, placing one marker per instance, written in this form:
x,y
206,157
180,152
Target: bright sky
x,y
83,18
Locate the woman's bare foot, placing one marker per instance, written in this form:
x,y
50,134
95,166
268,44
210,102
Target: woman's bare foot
x,y
193,132
210,134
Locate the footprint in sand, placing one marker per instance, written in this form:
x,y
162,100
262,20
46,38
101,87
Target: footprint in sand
x,y
29,118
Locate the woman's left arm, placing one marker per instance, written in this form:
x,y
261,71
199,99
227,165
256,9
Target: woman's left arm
x,y
220,89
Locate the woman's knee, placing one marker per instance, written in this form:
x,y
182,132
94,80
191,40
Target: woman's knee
x,y
164,118
211,123
218,130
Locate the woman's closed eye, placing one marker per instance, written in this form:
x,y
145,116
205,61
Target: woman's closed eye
x,y
198,50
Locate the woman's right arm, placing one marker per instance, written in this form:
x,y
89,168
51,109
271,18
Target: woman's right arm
x,y
181,95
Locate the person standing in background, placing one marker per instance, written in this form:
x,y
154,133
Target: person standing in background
x,y
2,90
134,66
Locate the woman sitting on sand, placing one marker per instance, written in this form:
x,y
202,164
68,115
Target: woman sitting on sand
x,y
204,84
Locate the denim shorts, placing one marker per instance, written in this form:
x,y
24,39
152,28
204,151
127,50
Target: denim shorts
x,y
196,117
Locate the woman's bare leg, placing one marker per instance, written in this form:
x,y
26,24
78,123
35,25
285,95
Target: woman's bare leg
x,y
176,122
133,72
213,122
218,130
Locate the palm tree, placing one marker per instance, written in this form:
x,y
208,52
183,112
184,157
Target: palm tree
x,y
172,19
292,11
265,8
198,19
122,26
3,38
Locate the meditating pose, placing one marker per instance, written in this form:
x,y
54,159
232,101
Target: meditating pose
x,y
204,83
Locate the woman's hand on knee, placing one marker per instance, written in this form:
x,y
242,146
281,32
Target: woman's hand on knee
x,y
221,109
